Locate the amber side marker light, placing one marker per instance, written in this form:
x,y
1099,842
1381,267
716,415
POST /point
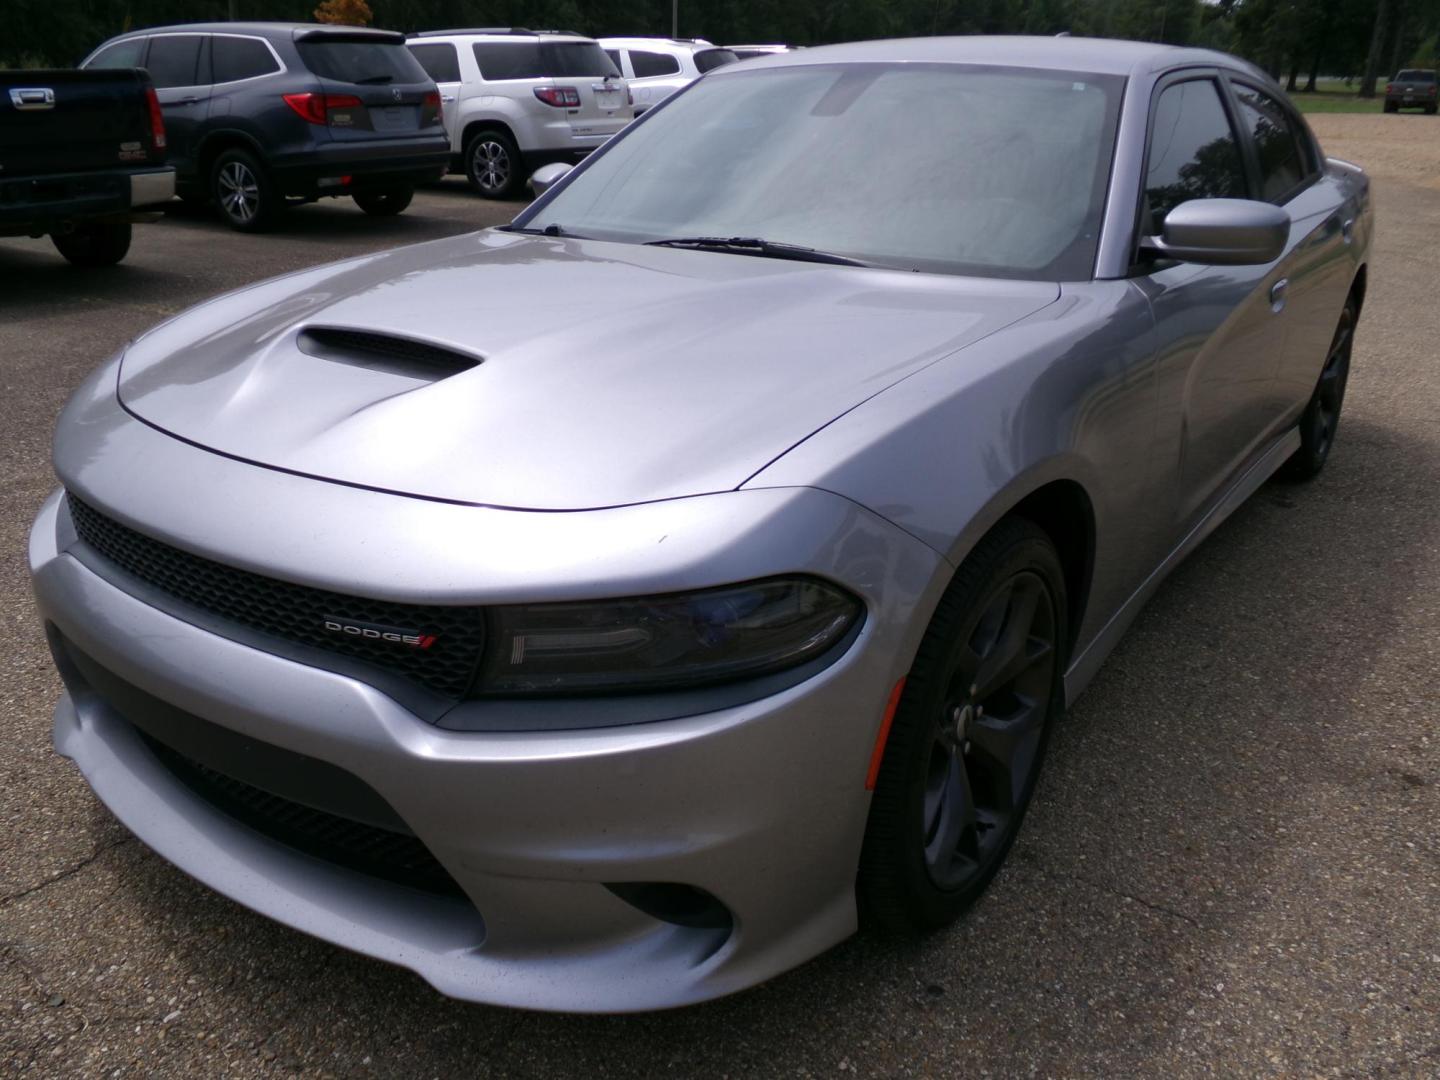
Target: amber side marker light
x,y
882,736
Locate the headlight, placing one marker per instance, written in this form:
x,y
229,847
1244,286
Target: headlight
x,y
664,642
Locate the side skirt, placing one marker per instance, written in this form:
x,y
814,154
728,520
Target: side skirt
x,y
1083,669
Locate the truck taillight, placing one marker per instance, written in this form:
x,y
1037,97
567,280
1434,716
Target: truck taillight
x,y
316,108
562,97
157,118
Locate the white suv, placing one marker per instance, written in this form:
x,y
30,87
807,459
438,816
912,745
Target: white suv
x,y
657,67
518,99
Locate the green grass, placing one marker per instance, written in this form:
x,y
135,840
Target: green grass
x,y
1334,96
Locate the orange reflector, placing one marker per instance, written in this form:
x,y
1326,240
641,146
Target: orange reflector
x,y
878,754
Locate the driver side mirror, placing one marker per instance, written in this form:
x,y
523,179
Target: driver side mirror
x,y
547,176
1222,232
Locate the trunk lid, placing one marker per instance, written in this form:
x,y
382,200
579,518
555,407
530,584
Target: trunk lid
x,y
581,374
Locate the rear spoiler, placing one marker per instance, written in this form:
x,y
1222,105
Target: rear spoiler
x,y
351,34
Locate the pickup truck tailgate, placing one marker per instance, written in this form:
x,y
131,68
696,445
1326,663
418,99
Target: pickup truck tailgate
x,y
74,121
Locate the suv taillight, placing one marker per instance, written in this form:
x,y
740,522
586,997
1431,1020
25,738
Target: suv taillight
x,y
432,101
316,108
562,97
157,118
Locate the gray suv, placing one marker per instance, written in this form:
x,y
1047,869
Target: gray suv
x,y
261,113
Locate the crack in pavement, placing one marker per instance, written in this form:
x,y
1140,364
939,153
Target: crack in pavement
x,y
1100,886
5,901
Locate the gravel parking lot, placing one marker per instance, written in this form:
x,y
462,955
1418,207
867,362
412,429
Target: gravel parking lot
x,y
1232,867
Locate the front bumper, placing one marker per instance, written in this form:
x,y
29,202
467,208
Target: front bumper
x,y
761,805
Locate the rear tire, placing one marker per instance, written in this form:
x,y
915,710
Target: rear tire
x,y
1321,418
492,164
385,202
1390,106
95,243
243,191
969,736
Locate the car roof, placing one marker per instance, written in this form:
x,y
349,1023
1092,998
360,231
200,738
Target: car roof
x,y
1097,56
678,44
502,33
273,30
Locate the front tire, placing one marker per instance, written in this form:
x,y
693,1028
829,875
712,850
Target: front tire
x,y
492,164
386,202
1321,418
94,243
969,736
243,191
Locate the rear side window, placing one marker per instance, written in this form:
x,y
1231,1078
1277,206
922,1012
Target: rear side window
x,y
543,60
649,65
439,59
1282,166
174,59
614,55
362,61
499,62
123,54
1193,150
236,58
710,59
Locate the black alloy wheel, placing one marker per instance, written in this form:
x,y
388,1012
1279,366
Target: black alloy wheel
x,y
969,735
1321,418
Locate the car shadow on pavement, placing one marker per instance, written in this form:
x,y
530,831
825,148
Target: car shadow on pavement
x,y
1212,819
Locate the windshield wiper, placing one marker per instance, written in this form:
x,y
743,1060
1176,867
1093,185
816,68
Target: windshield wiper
x,y
374,80
753,245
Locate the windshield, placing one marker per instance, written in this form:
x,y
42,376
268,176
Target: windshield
x,y
1415,76
945,168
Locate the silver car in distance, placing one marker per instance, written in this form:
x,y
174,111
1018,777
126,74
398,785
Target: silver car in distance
x,y
606,612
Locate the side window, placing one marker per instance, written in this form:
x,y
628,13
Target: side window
x,y
439,59
236,58
649,65
1283,165
173,60
518,61
1193,151
123,54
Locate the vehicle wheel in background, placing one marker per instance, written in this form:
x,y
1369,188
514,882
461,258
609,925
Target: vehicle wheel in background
x,y
385,202
243,191
95,243
492,162
968,737
1390,106
1321,417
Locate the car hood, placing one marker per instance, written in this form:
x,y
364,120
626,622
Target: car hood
x,y
608,373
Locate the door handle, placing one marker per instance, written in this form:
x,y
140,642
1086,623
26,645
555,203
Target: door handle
x,y
447,97
182,101
1277,294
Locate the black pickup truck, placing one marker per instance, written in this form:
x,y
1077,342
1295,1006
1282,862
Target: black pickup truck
x,y
80,152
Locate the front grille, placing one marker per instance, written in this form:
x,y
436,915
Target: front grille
x,y
295,613
369,849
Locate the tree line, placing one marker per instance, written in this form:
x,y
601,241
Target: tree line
x,y
1295,40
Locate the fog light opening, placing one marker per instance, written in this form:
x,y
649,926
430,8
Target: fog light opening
x,y
680,905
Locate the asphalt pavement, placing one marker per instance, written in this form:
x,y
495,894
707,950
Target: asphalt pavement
x,y
1232,867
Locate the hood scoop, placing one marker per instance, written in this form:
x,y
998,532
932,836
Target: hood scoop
x,y
385,352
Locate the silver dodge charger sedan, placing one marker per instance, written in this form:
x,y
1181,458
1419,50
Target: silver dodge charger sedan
x,y
613,610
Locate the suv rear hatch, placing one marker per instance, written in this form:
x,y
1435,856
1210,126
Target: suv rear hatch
x,y
573,76
375,89
57,122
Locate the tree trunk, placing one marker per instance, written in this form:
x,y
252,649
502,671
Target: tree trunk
x,y
1319,57
1294,75
1377,45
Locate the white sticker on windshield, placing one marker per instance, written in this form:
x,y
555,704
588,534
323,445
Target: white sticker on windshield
x,y
1077,86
